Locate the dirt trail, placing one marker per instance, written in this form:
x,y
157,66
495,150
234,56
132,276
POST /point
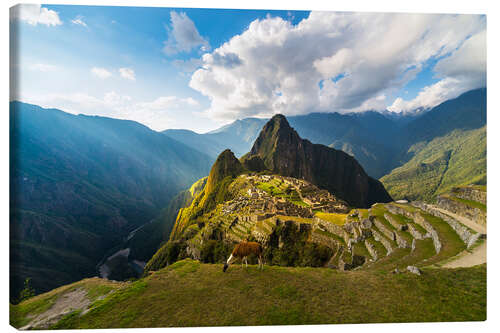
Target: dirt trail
x,y
73,300
467,259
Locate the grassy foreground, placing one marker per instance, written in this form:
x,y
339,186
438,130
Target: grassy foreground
x,y
188,293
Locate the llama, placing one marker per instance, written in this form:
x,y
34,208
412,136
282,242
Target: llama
x,y
242,251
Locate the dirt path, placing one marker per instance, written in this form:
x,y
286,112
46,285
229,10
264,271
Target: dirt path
x,y
468,259
73,300
465,221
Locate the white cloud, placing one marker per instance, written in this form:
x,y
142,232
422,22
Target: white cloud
x,y
463,70
35,14
430,96
127,73
43,67
101,73
183,35
329,61
79,21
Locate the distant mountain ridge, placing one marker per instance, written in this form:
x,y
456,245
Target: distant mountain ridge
x,y
80,184
367,136
380,141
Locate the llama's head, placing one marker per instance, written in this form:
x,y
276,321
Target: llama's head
x,y
225,267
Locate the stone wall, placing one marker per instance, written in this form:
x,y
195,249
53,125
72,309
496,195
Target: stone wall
x,y
420,220
398,210
324,240
379,238
400,240
431,232
414,232
470,193
462,231
384,230
394,223
330,227
472,213
371,249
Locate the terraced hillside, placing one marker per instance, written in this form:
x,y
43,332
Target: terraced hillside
x,y
394,262
300,225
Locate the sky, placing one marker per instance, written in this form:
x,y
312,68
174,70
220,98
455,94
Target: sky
x,y
199,69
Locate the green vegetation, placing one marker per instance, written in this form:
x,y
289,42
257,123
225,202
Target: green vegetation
x,y
80,185
290,247
27,291
20,314
457,158
189,294
335,218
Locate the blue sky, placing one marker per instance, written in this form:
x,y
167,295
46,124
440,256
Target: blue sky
x,y
202,68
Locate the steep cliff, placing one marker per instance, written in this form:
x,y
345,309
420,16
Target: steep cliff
x,y
285,153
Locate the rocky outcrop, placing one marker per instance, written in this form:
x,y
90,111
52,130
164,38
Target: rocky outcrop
x,y
226,165
465,234
285,153
472,213
414,270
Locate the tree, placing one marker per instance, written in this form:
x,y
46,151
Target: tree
x,y
27,291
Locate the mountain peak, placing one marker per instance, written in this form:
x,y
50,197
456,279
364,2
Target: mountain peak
x,y
279,121
281,150
226,165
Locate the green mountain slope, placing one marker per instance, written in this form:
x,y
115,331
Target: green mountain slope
x,y
80,184
188,293
457,158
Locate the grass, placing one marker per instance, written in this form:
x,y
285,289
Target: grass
x,y
338,219
363,213
20,314
294,218
451,243
192,294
